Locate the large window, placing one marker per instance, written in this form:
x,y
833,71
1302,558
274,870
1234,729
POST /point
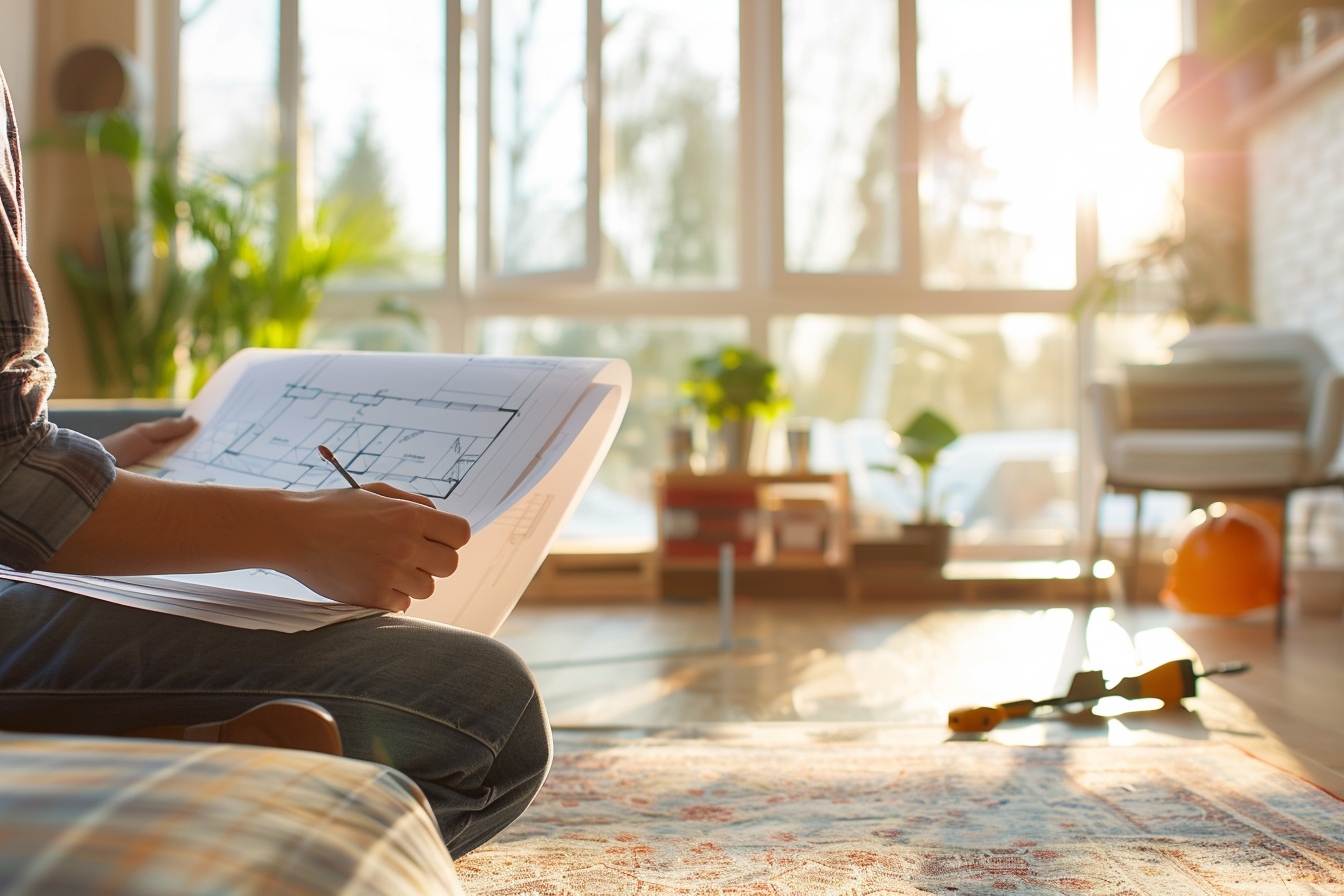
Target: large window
x,y
230,111
1006,380
998,182
670,143
372,132
841,73
343,109
896,199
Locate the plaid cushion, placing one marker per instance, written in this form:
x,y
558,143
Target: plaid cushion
x,y
112,815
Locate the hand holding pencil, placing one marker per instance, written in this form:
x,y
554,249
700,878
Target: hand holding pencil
x,y
367,550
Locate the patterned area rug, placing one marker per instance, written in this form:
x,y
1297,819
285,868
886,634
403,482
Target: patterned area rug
x,y
774,813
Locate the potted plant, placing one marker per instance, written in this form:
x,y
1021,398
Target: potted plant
x,y
924,542
1194,268
133,318
922,440
733,388
253,282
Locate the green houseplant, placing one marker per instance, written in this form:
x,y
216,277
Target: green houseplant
x,y
1190,264
922,440
132,316
253,281
734,387
924,542
257,288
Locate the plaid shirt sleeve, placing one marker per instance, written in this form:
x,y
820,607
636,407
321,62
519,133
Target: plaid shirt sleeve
x,y
50,478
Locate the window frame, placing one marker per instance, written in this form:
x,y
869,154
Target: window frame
x,y
765,289
488,281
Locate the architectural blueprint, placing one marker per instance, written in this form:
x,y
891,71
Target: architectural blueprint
x,y
433,425
510,444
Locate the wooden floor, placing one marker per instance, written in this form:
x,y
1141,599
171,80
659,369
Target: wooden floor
x,y
651,665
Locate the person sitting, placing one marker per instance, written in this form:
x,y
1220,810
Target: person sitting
x,y
456,711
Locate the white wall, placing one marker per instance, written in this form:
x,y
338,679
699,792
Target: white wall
x,y
1297,216
18,32
1297,254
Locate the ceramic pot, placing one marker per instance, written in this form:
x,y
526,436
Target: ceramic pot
x,y
736,436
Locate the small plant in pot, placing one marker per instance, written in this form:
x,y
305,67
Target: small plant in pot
x,y
733,388
926,542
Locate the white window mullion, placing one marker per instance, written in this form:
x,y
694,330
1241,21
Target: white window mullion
x,y
483,94
593,95
910,275
289,86
447,309
489,278
452,156
1088,250
770,130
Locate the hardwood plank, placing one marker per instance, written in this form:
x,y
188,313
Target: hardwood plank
x,y
908,664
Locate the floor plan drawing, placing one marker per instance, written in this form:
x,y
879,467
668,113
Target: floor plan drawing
x,y
508,444
423,436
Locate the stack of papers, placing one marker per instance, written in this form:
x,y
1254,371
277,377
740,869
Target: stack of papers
x,y
211,603
508,443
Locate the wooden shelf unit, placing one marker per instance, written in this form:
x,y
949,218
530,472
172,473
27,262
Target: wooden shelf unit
x,y
787,521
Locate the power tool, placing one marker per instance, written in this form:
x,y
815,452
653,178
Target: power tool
x,y
1170,682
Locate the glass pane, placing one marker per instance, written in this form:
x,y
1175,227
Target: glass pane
x,y
1005,381
229,112
669,131
1138,183
539,139
996,174
841,149
377,145
467,146
619,504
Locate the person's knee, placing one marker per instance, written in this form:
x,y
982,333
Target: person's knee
x,y
483,687
530,739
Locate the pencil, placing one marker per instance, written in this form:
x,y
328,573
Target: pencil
x,y
331,459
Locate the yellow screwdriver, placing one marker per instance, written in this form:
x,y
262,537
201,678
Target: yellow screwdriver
x,y
1170,682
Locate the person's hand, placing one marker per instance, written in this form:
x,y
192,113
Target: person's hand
x,y
135,443
375,546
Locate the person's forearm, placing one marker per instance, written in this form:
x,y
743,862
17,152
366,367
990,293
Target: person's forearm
x,y
145,526
375,546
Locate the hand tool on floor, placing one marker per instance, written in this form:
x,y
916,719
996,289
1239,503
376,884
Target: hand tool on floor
x,y
1170,682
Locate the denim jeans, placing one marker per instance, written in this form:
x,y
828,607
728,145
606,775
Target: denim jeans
x,y
455,711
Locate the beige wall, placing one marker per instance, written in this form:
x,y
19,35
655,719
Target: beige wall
x,y
1297,250
60,207
18,21
1297,235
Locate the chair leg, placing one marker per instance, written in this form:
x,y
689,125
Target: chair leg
x,y
1091,571
1131,589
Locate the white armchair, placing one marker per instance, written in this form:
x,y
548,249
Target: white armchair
x,y
1239,411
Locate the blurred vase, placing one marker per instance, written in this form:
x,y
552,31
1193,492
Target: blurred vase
x,y
799,433
684,454
735,436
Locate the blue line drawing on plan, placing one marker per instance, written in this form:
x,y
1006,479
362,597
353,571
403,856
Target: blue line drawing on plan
x,y
418,436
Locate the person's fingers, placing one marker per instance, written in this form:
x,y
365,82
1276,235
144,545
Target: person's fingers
x,y
165,429
417,584
438,560
449,529
391,491
394,601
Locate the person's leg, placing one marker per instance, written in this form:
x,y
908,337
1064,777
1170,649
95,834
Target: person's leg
x,y
455,711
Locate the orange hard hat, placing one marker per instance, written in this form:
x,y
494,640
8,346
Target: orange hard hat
x,y
1226,565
